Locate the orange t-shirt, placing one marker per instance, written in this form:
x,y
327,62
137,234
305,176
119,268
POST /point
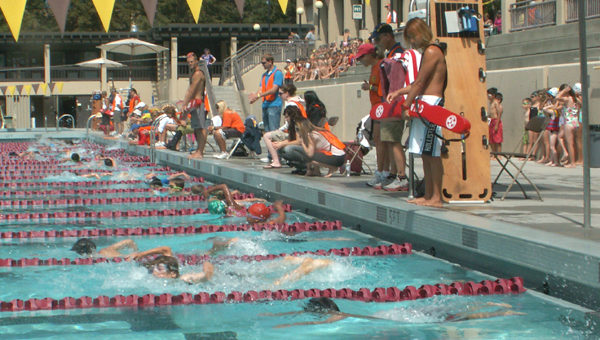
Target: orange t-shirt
x,y
376,94
232,120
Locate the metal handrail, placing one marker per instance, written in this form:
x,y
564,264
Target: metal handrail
x,y
525,16
413,7
46,123
153,137
63,116
250,55
87,128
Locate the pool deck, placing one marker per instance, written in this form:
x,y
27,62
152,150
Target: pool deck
x,y
542,241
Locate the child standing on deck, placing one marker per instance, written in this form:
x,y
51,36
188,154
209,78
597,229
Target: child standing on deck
x,y
495,114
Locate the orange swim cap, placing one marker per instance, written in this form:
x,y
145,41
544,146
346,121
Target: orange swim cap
x,y
259,211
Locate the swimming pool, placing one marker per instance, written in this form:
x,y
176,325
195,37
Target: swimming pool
x,y
421,319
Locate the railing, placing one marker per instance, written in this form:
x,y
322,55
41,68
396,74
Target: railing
x,y
592,9
66,116
66,73
524,16
183,70
250,55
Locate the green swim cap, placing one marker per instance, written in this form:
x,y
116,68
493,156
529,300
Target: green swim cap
x,y
216,207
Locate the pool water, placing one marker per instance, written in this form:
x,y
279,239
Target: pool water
x,y
421,319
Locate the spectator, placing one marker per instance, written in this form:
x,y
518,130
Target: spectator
x,y
346,38
310,36
232,127
270,83
392,15
296,36
570,111
288,72
166,119
132,103
116,106
526,116
290,149
193,104
498,22
322,148
551,109
209,59
495,115
184,128
276,140
316,112
578,132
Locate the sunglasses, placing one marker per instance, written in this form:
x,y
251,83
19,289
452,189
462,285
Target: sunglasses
x,y
525,103
263,62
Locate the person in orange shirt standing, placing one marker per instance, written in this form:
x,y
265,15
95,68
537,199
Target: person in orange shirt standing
x,y
391,17
288,72
232,127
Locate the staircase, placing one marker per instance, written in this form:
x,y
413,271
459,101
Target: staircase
x,y
230,95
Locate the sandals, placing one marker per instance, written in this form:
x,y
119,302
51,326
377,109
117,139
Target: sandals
x,y
272,167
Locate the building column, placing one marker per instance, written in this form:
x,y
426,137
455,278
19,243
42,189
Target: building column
x,y
174,76
103,73
506,20
47,63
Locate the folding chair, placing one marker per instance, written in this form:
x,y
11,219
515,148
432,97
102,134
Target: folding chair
x,y
353,152
333,122
536,124
234,146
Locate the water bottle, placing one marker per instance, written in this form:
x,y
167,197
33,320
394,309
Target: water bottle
x,y
348,168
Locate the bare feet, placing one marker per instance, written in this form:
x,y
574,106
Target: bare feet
x,y
569,165
542,161
564,158
195,155
331,172
431,203
209,270
416,200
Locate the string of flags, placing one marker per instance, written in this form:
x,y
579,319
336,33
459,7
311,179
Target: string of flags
x,y
32,89
13,11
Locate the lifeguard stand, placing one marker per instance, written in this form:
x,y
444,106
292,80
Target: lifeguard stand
x,y
459,25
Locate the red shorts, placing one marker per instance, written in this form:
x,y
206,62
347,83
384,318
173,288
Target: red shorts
x,y
495,136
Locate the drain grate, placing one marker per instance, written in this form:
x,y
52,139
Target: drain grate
x,y
382,214
470,238
278,187
219,171
321,198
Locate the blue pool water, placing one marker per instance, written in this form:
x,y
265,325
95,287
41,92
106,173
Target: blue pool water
x,y
422,319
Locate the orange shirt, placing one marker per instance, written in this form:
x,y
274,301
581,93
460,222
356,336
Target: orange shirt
x,y
232,120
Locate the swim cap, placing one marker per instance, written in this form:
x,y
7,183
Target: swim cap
x,y
259,211
216,207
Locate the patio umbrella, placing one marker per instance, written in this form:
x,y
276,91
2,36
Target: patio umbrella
x,y
100,63
132,47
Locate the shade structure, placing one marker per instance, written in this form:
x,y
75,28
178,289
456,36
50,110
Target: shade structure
x,y
100,63
132,47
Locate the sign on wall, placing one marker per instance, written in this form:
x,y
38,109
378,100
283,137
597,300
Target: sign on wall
x,y
357,12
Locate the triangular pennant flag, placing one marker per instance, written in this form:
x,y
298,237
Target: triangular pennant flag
x,y
35,88
283,4
13,13
43,86
104,9
52,86
3,90
27,89
60,86
368,2
19,89
59,9
150,8
195,7
10,90
240,6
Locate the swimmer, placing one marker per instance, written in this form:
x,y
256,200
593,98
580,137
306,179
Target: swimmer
x,y
256,213
307,266
24,155
219,193
74,157
167,266
108,161
326,307
224,202
175,182
86,247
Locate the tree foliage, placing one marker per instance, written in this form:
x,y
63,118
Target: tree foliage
x,y
82,15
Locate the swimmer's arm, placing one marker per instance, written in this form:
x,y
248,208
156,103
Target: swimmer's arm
x,y
206,275
331,319
125,244
279,208
180,174
166,251
220,245
474,316
91,175
228,197
251,200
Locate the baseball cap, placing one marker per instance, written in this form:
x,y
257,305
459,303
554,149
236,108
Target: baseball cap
x,y
137,112
553,92
388,5
147,116
288,61
135,126
381,28
259,211
364,49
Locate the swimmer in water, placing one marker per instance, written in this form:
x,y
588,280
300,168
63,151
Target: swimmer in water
x,y
74,157
107,161
175,182
86,247
222,196
167,266
326,307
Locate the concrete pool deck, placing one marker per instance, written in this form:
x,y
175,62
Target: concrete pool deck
x,y
543,242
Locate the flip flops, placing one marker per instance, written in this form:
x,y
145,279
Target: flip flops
x,y
272,167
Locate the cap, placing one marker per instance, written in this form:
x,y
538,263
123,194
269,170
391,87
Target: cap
x,y
288,61
147,116
364,49
259,211
553,92
137,112
84,246
216,207
577,88
135,126
140,105
388,5
381,28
